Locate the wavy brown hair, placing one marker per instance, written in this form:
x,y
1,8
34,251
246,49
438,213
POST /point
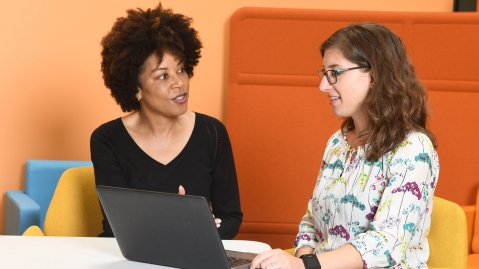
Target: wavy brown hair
x,y
134,38
396,104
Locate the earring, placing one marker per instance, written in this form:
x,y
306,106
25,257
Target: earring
x,y
139,98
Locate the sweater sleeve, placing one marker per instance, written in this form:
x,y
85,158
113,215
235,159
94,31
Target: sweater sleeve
x,y
107,169
401,223
225,200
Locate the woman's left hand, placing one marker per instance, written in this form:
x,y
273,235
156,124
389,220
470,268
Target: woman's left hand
x,y
217,221
276,259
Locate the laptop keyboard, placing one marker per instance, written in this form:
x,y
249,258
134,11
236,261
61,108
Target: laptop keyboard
x,y
238,261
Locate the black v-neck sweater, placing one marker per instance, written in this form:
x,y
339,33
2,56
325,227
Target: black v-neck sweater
x,y
205,167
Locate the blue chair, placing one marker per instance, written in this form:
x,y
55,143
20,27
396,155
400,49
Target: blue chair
x,y
26,208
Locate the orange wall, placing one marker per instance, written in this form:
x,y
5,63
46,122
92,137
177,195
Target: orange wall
x,y
52,93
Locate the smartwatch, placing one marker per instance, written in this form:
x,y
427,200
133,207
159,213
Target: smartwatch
x,y
310,261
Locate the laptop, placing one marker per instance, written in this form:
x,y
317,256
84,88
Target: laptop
x,y
167,229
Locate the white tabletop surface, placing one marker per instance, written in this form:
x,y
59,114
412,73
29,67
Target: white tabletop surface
x,y
82,252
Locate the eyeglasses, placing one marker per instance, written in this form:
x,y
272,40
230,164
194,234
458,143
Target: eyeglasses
x,y
332,75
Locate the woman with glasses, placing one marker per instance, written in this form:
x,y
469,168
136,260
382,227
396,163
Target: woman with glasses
x,y
372,204
148,59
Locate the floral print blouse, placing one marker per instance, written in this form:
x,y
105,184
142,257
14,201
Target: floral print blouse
x,y
382,208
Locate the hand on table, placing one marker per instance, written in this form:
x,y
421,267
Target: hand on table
x,y
275,259
181,191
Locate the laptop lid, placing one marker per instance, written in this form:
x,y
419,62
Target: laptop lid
x,y
163,228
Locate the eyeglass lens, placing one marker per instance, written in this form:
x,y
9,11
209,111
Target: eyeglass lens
x,y
330,75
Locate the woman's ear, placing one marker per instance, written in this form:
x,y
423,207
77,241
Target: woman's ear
x,y
138,94
372,78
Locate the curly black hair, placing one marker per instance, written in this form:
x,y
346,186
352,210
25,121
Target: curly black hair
x,y
137,36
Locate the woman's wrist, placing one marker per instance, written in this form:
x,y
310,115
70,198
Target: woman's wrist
x,y
310,261
304,250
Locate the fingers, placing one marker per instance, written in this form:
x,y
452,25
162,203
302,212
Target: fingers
x,y
258,261
181,190
276,259
218,222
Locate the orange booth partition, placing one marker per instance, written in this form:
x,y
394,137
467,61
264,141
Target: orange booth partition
x,y
279,122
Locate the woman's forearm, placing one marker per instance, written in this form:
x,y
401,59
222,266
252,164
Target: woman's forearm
x,y
346,256
229,227
304,250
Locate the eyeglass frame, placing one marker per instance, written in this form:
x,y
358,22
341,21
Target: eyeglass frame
x,y
322,72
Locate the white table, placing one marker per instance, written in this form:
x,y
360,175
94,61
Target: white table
x,y
52,252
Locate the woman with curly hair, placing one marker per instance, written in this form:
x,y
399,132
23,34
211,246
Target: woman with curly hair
x,y
372,204
148,59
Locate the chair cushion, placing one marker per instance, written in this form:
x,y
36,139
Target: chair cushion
x,y
33,231
448,249
75,208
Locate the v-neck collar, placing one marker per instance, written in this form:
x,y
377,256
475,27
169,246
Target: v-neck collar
x,y
175,159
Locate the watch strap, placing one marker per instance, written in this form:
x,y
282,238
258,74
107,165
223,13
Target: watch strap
x,y
310,261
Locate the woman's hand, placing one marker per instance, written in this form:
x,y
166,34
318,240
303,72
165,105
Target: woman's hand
x,y
276,259
217,221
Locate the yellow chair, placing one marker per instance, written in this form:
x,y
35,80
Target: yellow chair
x,y
473,223
447,236
74,209
33,230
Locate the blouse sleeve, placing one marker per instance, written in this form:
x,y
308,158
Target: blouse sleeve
x,y
225,200
402,220
308,234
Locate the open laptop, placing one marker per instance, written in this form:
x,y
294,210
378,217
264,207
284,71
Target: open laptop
x,y
167,229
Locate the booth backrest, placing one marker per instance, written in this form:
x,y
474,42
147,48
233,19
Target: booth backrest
x,y
279,122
